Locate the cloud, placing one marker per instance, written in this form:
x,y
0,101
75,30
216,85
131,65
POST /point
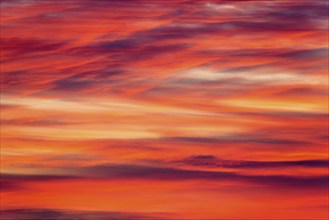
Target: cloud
x,y
317,53
92,88
36,177
34,122
16,182
59,214
72,157
212,161
21,46
9,186
304,91
73,84
301,11
149,45
132,49
242,76
239,139
188,31
143,172
131,171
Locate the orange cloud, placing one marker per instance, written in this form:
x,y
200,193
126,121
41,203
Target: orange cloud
x,y
164,109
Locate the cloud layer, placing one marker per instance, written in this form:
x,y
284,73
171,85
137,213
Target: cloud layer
x,y
117,107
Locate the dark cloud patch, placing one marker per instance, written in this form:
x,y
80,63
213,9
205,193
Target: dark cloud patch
x,y
165,173
36,177
14,182
240,139
29,214
200,160
130,49
72,84
104,76
212,161
142,172
301,11
20,46
7,186
59,214
179,31
135,5
292,181
100,71
315,130
317,53
15,78
174,14
304,91
128,171
282,53
25,80
324,137
260,26
105,73
150,53
122,171
119,45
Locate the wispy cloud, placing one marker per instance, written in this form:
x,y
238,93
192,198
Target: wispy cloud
x,y
168,106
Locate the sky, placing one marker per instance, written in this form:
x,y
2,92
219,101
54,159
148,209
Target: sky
x,y
164,110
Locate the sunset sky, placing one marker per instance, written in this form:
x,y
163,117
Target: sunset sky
x,y
164,109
